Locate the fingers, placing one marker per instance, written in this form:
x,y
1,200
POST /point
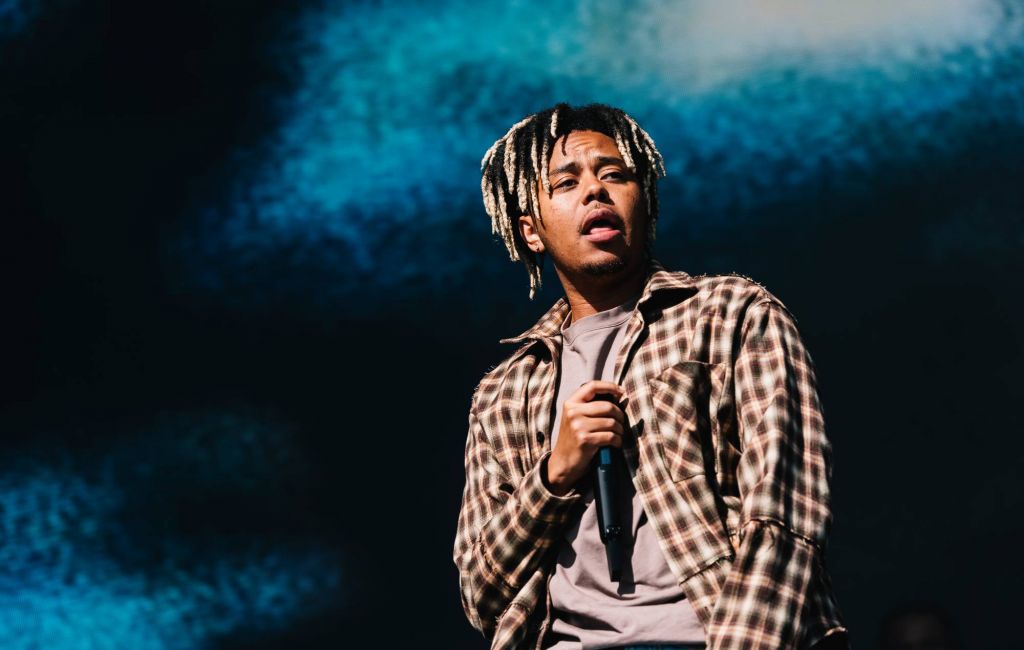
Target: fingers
x,y
592,440
605,439
588,391
598,409
588,425
594,430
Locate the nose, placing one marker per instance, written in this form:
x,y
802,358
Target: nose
x,y
594,189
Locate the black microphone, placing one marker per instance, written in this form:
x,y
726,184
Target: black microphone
x,y
608,464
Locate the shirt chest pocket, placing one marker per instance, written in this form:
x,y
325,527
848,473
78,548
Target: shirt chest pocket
x,y
681,398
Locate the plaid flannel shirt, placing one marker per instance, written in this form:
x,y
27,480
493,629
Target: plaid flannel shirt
x,y
726,444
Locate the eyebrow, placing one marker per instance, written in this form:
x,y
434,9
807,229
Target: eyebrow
x,y
573,166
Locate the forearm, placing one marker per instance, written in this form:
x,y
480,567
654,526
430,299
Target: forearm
x,y
775,594
503,535
784,471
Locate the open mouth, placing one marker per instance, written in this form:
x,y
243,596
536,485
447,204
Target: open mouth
x,y
602,224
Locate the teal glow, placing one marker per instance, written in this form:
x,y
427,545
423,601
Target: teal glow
x,y
84,568
371,183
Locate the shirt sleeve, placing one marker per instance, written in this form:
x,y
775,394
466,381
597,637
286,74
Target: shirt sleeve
x,y
777,595
504,529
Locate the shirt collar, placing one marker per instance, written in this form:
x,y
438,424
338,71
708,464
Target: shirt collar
x,y
658,279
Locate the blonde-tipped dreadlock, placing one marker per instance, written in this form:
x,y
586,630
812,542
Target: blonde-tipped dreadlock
x,y
512,168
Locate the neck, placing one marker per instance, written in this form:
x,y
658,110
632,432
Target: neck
x,y
588,294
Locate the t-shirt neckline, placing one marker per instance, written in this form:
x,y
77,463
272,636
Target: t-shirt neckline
x,y
600,320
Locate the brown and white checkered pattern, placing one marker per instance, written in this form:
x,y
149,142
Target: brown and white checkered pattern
x,y
726,444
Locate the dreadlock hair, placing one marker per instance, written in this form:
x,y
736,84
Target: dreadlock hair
x,y
517,161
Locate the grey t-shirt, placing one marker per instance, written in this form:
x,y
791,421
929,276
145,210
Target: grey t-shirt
x,y
589,610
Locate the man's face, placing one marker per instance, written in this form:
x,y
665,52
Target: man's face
x,y
595,220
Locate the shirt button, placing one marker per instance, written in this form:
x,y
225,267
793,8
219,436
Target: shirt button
x,y
540,437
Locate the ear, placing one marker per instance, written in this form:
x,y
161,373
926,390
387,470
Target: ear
x,y
528,230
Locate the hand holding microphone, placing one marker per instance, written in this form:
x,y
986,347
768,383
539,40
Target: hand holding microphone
x,y
589,422
590,434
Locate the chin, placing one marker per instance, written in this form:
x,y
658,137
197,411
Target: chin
x,y
606,266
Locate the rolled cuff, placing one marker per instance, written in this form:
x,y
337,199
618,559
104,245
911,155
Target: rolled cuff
x,y
539,501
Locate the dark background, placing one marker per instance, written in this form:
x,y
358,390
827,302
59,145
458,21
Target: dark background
x,y
249,286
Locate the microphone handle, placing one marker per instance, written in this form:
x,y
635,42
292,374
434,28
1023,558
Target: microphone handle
x,y
607,478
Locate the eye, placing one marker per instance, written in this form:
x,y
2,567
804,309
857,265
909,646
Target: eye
x,y
565,183
617,175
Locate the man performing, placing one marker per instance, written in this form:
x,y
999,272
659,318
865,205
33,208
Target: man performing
x,y
700,385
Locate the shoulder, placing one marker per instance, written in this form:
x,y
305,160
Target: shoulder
x,y
740,303
717,311
734,286
731,295
500,380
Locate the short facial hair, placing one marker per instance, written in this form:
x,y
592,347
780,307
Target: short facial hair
x,y
608,267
